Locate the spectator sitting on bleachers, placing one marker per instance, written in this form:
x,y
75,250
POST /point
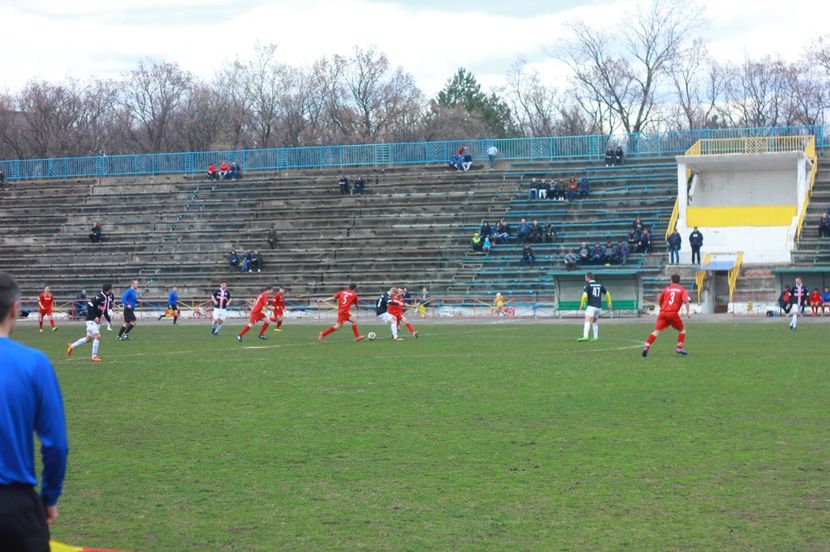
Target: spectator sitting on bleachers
x,y
248,261
824,226
345,188
611,253
2,178
95,234
784,300
235,172
359,185
618,156
558,190
455,162
609,157
485,231
815,301
637,224
533,190
476,242
211,172
645,241
597,253
536,232
623,250
584,253
273,239
461,152
524,228
570,260
502,231
584,187
528,256
233,259
825,299
549,233
633,238
224,170
544,189
467,163
486,245
573,189
256,261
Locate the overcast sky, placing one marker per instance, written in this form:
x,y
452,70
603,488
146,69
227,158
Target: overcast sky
x,y
53,39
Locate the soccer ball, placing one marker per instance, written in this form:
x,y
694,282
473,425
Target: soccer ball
x,y
372,336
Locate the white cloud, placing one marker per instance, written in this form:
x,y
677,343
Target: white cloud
x,y
50,39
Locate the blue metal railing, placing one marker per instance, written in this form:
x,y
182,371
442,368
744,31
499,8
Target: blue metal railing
x,y
371,155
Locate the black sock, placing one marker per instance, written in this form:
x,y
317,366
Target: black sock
x,y
130,327
121,331
174,320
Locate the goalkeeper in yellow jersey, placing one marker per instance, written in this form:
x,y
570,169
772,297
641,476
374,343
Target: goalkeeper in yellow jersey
x,y
592,295
498,305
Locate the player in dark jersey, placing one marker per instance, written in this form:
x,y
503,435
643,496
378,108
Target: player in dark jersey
x,y
798,299
97,309
382,312
592,295
221,300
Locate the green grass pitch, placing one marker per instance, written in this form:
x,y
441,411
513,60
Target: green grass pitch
x,y
483,437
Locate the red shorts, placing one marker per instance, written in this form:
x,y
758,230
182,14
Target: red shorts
x,y
44,312
666,319
256,316
343,316
277,313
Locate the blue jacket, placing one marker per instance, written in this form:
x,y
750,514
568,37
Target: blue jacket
x,y
130,298
32,403
173,298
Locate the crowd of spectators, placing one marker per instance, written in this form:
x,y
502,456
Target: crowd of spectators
x,y
357,187
819,301
247,261
559,190
613,157
225,171
612,252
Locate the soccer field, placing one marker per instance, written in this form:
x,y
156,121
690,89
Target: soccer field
x,y
485,436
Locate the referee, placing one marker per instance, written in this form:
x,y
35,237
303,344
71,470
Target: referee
x,y
30,402
130,301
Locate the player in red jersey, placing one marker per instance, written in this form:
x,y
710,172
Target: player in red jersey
x,y
44,308
395,307
345,299
278,306
258,314
670,301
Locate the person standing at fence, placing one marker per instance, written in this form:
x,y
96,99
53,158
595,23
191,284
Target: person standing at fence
x,y
696,241
492,152
592,296
31,403
674,240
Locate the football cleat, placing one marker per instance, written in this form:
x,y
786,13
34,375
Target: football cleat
x,y
582,339
415,335
681,352
69,349
95,358
260,336
239,338
397,339
320,337
41,330
360,338
645,352
277,329
54,328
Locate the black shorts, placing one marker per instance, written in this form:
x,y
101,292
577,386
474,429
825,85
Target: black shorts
x,y
129,315
22,520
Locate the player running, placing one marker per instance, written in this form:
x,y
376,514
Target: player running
x,y
44,309
345,299
670,301
130,301
96,309
592,294
278,307
172,305
798,299
257,314
498,305
395,307
221,300
383,314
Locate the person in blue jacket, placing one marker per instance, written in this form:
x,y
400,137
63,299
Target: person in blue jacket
x,y
130,301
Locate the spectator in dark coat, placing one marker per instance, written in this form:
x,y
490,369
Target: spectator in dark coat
x,y
570,259
256,261
502,231
528,256
597,254
618,156
549,233
633,238
236,171
485,231
536,232
359,185
609,255
785,300
624,250
609,157
824,226
584,187
558,190
645,241
273,239
533,189
696,241
675,241
233,259
95,234
2,177
345,188
247,261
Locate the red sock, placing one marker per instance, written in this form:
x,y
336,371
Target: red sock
x,y
245,330
354,330
329,330
279,324
410,328
650,339
40,323
680,339
264,327
52,322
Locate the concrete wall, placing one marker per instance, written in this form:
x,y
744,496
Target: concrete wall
x,y
744,188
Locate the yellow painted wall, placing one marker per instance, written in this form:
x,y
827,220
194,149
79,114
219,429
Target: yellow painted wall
x,y
764,215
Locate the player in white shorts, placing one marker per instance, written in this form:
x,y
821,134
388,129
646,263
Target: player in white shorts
x,y
221,300
592,295
383,315
96,309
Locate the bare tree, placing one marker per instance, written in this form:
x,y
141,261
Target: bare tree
x,y
152,93
698,83
755,93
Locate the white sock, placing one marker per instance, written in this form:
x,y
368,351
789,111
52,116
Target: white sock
x,y
795,320
585,328
596,331
79,342
394,329
218,328
95,345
